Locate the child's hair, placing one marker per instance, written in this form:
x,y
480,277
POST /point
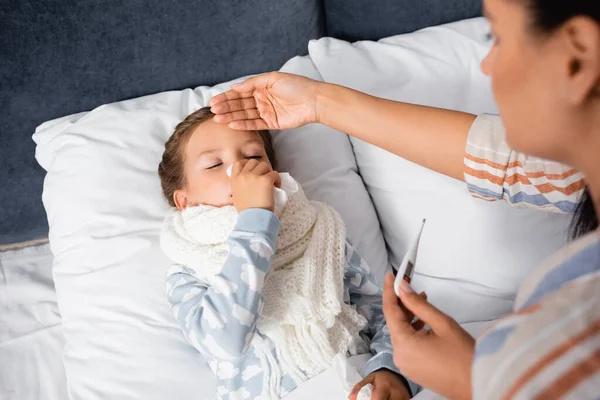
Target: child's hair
x,y
170,169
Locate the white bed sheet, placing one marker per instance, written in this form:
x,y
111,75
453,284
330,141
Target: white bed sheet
x,y
31,339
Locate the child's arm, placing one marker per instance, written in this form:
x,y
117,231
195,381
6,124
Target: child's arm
x,y
219,320
366,294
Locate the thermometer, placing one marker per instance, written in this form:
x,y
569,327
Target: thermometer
x,y
407,267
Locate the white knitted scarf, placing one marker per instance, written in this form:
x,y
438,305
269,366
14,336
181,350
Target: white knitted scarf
x,y
304,312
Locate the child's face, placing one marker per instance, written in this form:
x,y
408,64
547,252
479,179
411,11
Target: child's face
x,y
211,150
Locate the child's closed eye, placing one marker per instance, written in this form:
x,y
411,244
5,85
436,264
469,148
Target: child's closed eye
x,y
215,166
253,157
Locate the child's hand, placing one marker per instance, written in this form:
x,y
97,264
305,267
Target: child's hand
x,y
386,386
252,184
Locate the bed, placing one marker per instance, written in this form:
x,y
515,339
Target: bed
x,y
69,72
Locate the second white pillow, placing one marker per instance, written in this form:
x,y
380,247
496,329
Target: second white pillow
x,y
473,254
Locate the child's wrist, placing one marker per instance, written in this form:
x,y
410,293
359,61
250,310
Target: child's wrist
x,y
259,221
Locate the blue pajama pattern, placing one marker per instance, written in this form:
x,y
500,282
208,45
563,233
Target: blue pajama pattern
x,y
219,320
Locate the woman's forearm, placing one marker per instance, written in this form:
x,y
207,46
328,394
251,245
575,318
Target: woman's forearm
x,y
432,137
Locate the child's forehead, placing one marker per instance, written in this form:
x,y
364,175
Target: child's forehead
x,y
210,133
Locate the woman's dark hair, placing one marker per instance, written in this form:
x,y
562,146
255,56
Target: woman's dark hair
x,y
547,16
585,219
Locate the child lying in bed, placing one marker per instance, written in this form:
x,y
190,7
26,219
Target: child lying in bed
x,y
266,287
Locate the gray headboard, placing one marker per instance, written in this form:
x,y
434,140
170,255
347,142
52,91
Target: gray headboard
x,y
65,56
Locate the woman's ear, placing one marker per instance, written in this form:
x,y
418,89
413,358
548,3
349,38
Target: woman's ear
x,y
582,41
180,199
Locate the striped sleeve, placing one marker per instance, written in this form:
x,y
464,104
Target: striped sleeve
x,y
494,172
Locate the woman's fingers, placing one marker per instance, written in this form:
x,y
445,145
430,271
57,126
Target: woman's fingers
x,y
396,319
244,90
249,125
249,114
419,306
390,300
230,106
230,95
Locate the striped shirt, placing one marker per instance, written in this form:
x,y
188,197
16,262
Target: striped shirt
x,y
549,347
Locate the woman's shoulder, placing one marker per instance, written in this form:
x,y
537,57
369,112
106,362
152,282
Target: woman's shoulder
x,y
550,340
549,348
577,260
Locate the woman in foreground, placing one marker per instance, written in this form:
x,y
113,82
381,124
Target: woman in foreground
x,y
545,70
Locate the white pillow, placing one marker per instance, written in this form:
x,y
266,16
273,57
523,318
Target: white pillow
x,y
105,208
103,200
332,177
473,254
